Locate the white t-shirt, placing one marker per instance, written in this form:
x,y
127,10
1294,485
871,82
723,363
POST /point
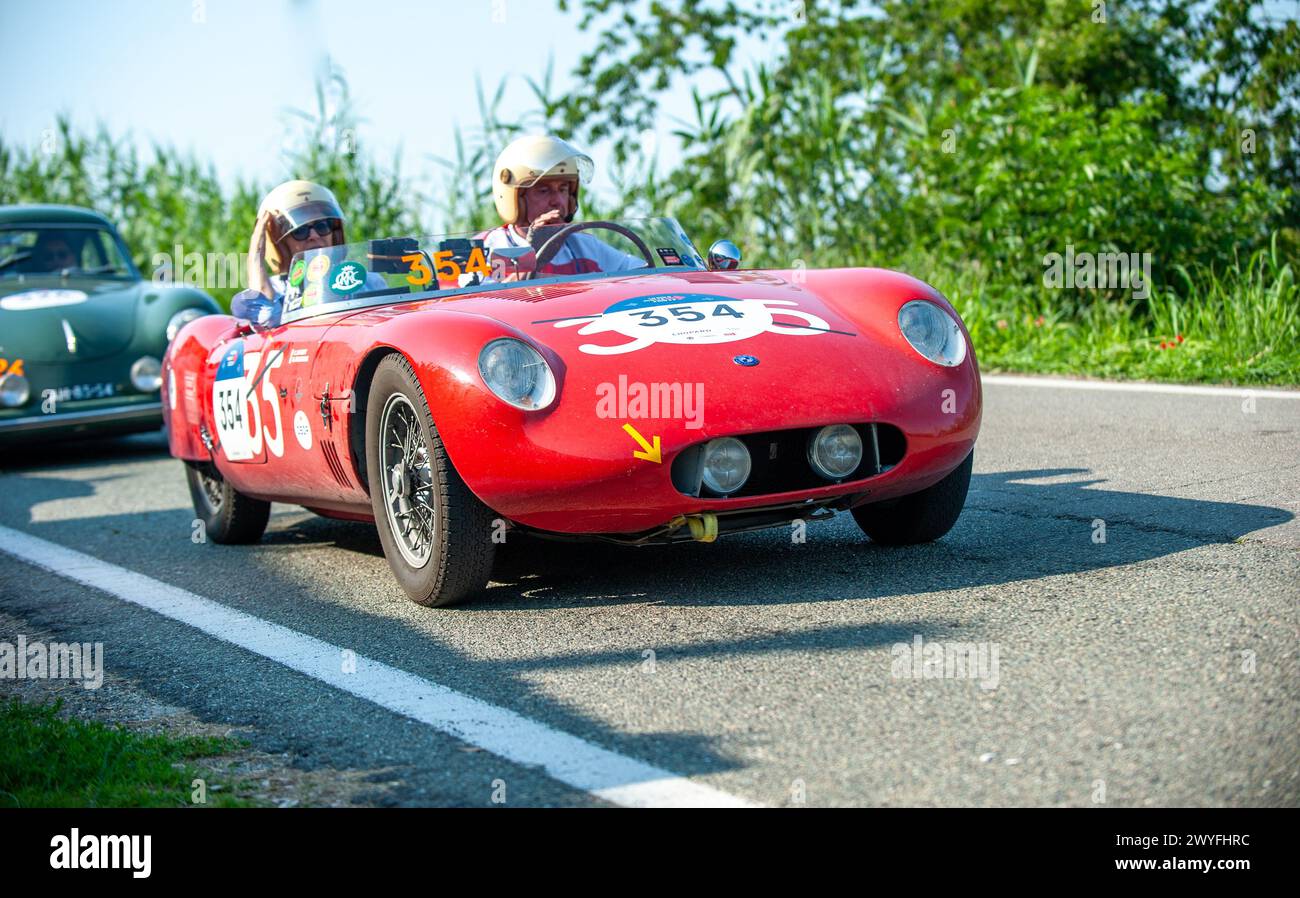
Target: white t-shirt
x,y
581,253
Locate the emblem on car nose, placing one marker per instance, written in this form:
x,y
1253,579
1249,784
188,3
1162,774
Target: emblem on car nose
x,y
747,361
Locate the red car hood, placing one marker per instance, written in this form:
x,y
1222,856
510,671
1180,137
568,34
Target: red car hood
x,y
768,351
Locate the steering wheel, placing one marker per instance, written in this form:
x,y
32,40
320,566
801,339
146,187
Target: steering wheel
x,y
555,242
15,259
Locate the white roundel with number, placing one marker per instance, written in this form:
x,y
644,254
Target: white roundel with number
x,y
237,405
302,429
42,299
684,318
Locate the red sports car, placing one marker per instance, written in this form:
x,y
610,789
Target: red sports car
x,y
676,399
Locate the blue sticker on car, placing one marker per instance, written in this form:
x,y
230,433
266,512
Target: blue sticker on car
x,y
232,363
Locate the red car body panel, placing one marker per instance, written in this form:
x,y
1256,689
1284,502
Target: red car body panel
x,y
565,469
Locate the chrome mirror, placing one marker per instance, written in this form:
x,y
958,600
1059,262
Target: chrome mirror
x,y
724,256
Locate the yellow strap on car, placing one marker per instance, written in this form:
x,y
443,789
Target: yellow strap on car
x,y
704,527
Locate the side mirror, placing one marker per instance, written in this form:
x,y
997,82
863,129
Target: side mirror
x,y
260,312
723,256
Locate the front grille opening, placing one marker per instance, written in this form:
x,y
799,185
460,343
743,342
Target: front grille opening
x,y
779,461
893,445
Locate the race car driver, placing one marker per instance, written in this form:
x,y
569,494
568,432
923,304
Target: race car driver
x,y
535,184
295,217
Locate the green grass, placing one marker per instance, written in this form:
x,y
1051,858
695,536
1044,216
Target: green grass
x,y
1240,326
48,761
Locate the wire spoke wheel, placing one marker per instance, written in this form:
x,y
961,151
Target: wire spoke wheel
x,y
435,532
212,491
408,482
227,515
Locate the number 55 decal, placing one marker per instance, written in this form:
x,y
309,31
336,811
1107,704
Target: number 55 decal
x,y
274,443
237,409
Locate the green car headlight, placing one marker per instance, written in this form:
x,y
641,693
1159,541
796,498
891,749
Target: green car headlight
x,y
932,332
517,374
180,319
146,374
14,390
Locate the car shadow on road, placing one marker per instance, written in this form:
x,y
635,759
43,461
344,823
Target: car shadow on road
x,y
1016,527
79,452
1012,529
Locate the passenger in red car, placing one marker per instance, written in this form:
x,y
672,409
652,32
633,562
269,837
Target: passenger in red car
x,y
295,217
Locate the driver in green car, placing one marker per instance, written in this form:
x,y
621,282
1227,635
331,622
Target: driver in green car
x,y
52,252
535,184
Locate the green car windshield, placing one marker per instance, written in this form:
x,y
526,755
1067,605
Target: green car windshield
x,y
393,269
59,250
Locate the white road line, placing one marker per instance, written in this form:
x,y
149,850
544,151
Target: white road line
x,y
569,759
1063,383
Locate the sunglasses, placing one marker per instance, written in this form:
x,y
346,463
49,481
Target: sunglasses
x,y
322,229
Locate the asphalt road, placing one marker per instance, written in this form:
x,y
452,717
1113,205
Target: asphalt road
x,y
1158,667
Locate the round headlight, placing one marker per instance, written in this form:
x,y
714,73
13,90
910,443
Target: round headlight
x,y
932,332
146,374
835,451
14,390
517,374
180,319
726,465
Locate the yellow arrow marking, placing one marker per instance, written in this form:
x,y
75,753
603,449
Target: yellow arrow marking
x,y
650,453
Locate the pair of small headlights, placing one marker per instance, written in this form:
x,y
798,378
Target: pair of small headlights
x,y
834,452
16,390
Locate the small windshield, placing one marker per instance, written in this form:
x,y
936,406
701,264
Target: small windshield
x,y
393,269
61,250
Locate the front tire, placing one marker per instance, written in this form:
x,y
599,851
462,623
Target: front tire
x,y
228,515
435,532
921,517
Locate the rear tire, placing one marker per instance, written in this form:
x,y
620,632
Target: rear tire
x,y
921,517
435,532
228,515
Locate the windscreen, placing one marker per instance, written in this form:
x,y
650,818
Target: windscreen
x,y
392,269
61,250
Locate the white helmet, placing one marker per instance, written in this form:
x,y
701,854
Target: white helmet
x,y
289,206
292,205
527,160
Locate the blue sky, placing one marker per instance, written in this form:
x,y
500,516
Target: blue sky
x,y
215,76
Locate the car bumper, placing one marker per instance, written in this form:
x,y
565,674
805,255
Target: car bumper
x,y
107,419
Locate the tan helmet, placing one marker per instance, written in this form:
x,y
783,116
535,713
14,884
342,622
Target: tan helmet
x,y
527,160
289,206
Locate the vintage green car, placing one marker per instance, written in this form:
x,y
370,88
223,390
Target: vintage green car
x,y
82,334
